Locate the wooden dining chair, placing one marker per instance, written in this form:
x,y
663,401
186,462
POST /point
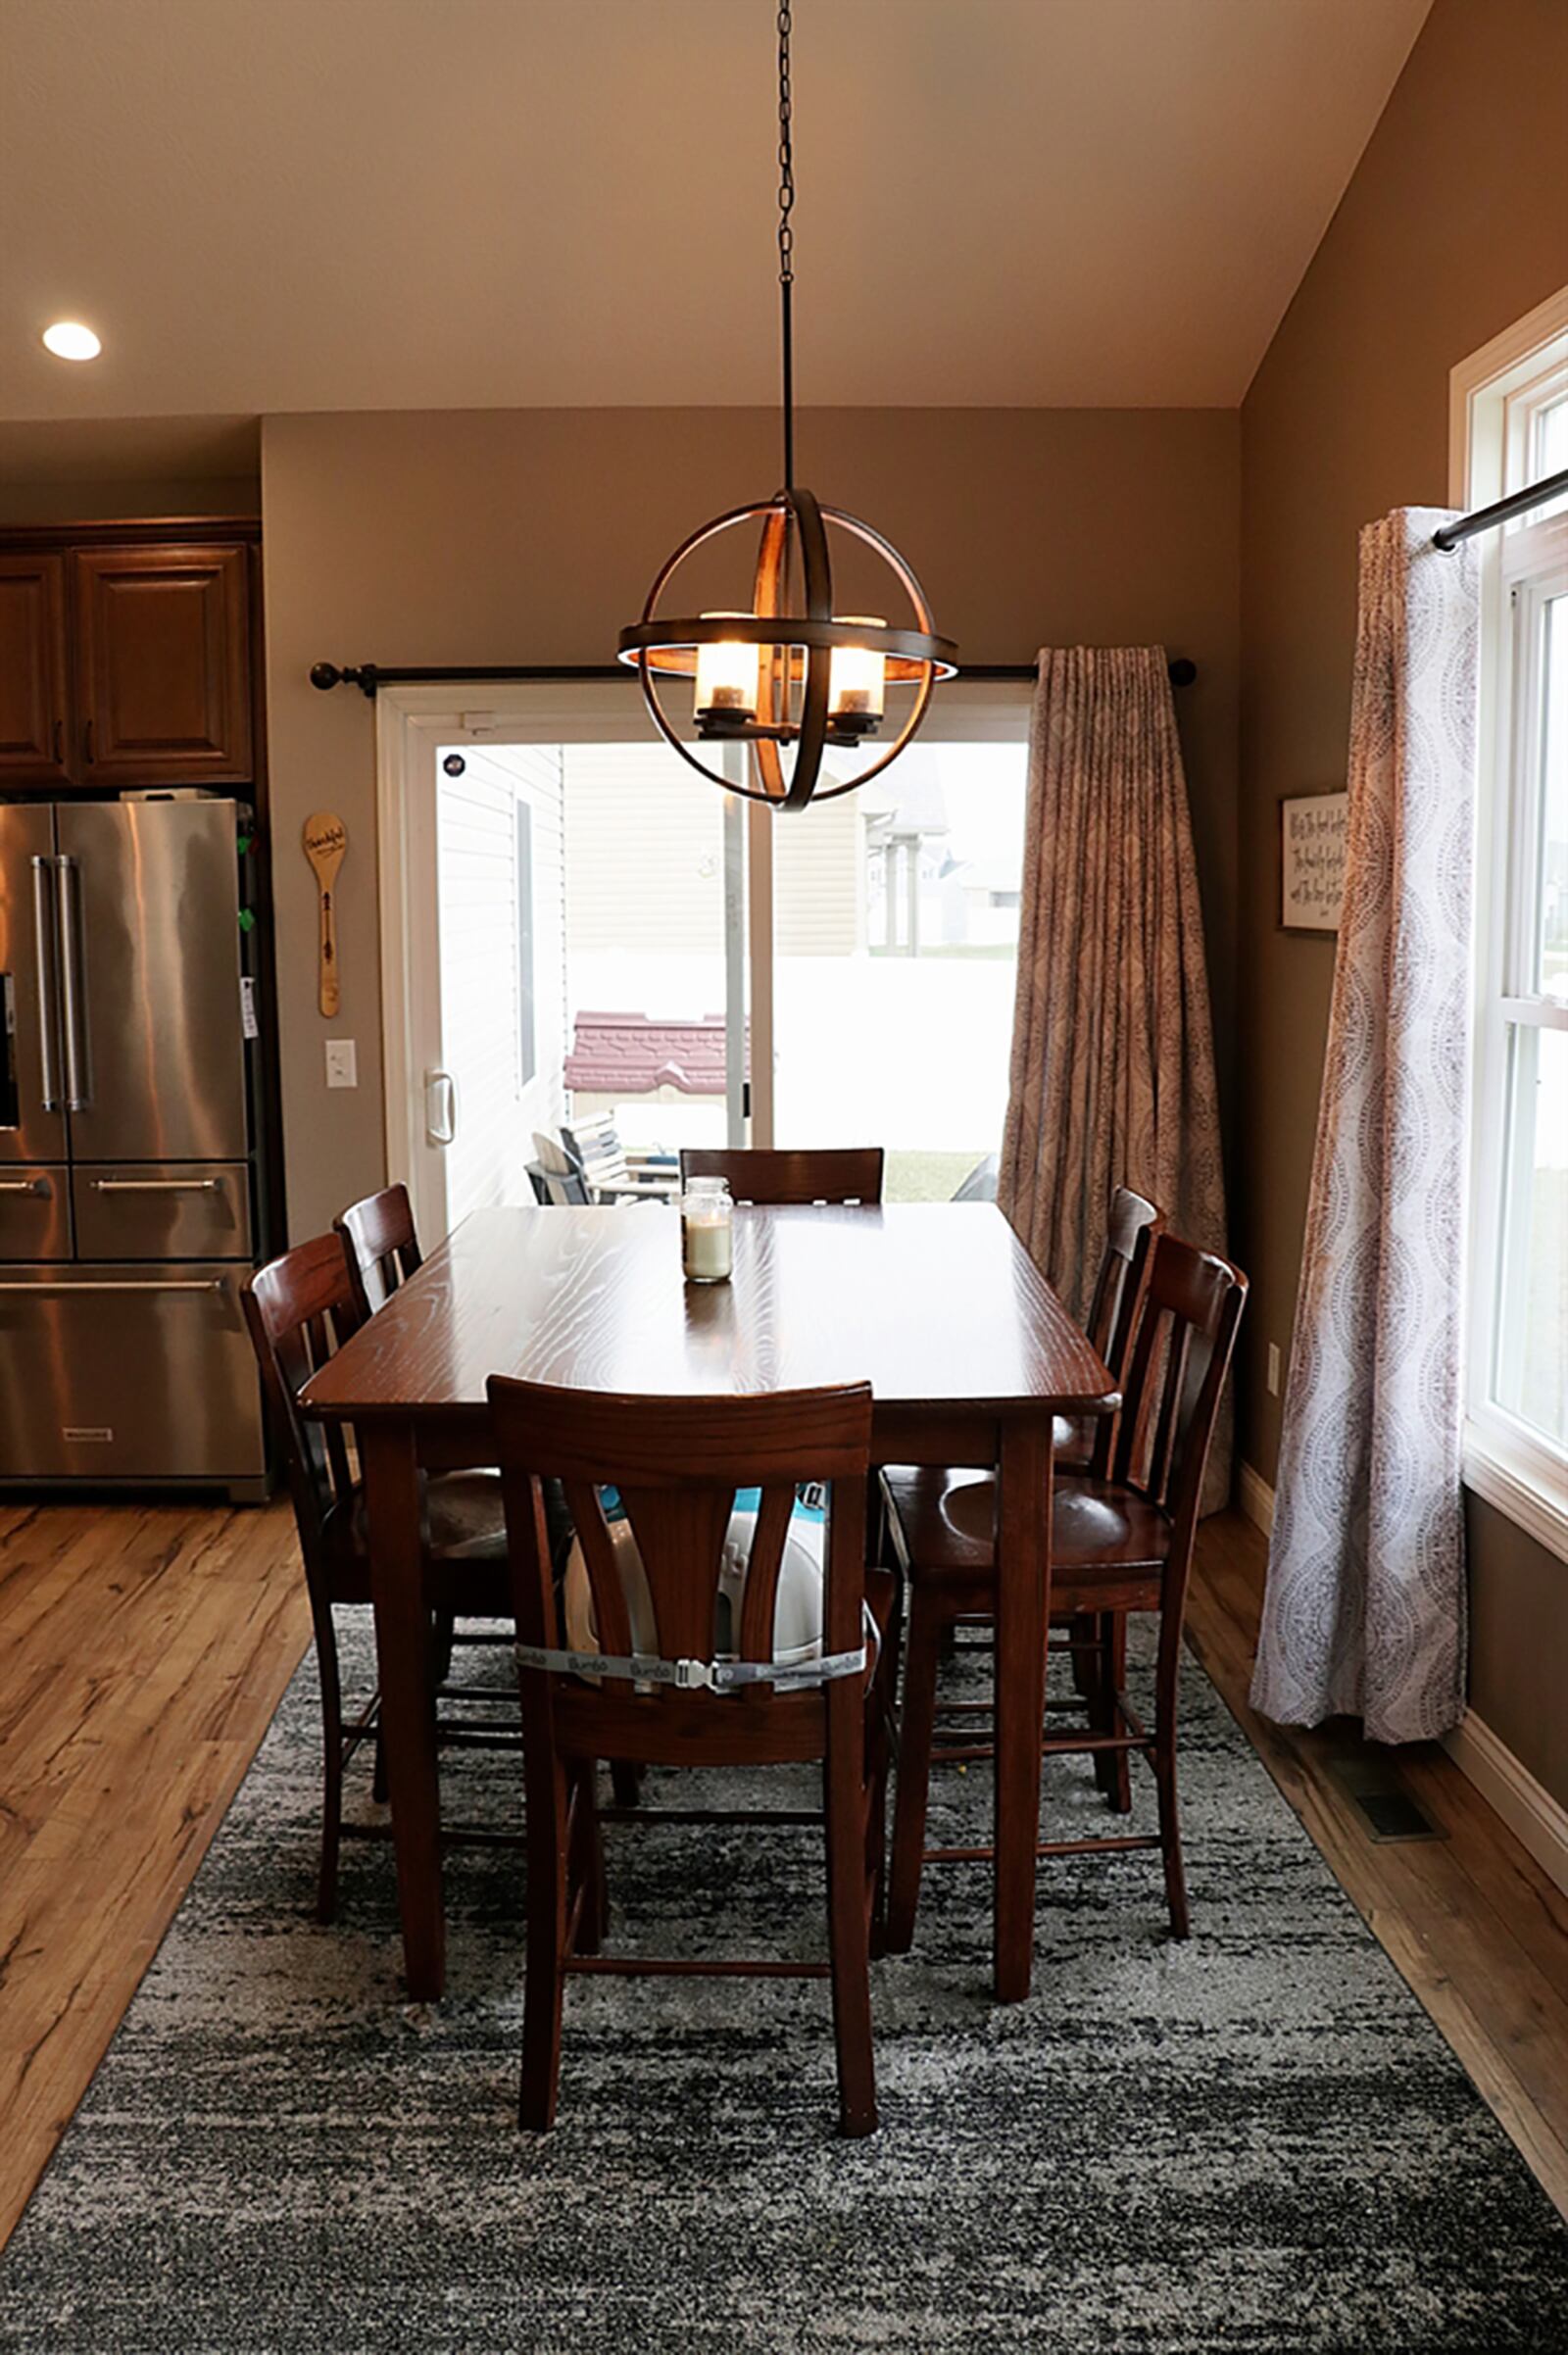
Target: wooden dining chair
x,y
835,1173
677,1463
299,1310
381,1245
1119,1544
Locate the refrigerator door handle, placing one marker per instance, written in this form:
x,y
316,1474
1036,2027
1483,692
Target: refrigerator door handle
x,y
47,942
73,983
157,1185
74,1283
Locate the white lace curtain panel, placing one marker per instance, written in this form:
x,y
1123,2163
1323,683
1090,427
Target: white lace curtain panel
x,y
1365,1607
1112,1074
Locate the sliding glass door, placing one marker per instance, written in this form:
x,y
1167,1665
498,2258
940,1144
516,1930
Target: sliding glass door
x,y
597,931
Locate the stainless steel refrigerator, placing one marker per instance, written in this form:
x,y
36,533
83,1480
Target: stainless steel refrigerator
x,y
130,1208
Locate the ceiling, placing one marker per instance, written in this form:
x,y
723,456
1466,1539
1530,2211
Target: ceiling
x,y
268,205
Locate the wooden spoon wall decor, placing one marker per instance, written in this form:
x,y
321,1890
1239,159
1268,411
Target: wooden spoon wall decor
x,y
326,839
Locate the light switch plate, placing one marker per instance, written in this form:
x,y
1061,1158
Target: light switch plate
x,y
342,1063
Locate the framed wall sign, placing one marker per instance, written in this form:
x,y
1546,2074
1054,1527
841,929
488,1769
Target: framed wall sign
x,y
1313,829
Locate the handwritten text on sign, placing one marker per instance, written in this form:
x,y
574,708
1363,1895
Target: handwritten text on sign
x,y
1312,837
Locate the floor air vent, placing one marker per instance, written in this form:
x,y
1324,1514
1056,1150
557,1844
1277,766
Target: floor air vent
x,y
1385,1804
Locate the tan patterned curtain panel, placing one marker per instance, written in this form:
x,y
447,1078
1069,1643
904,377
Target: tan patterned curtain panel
x,y
1365,1606
1112,1078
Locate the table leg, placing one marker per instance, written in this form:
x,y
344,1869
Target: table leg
x,y
1023,1607
408,1702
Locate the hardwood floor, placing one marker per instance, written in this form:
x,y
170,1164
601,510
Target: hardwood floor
x,y
143,1651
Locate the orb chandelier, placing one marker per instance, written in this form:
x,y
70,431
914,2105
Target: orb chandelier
x,y
787,676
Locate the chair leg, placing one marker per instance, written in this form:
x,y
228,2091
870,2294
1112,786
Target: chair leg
x,y
1108,1633
445,1623
1119,1782
1170,1829
1082,1634
331,1762
843,1774
912,1795
625,1782
879,1750
545,1983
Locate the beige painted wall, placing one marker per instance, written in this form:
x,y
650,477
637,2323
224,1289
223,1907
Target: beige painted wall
x,y
529,536
1455,225
125,502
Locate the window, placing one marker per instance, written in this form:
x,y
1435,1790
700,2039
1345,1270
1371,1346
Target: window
x,y
1517,1425
527,1028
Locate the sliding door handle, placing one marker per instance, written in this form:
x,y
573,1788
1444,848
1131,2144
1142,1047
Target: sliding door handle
x,y
440,1107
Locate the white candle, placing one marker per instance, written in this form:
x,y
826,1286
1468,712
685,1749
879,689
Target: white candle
x,y
708,1246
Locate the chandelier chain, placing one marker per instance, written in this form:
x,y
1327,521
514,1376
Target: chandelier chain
x,y
786,236
786,152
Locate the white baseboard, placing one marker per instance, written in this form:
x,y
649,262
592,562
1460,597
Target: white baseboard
x,y
1256,1497
1534,1817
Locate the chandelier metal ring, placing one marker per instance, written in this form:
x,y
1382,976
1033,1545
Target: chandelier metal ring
x,y
794,687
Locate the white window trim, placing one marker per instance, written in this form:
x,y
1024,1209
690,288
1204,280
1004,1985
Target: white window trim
x,y
1503,1461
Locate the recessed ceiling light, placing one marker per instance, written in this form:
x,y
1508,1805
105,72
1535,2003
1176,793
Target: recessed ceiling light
x,y
68,339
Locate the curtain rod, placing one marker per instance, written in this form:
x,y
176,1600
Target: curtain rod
x,y
370,676
1502,511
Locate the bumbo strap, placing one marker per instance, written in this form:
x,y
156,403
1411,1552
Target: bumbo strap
x,y
695,1676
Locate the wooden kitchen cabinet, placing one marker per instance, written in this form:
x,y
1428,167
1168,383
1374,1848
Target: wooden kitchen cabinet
x,y
35,727
163,667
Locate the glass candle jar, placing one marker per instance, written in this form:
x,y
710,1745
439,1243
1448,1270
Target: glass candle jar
x,y
708,1230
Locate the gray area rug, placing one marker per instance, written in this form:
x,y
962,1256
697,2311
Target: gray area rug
x,y
1254,2141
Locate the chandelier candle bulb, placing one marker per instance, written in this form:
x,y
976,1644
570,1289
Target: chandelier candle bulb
x,y
727,674
857,676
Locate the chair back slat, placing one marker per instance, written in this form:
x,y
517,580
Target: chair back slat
x,y
1186,1335
299,1310
850,1173
1168,1419
1130,1229
680,1535
381,1245
677,1464
1130,1233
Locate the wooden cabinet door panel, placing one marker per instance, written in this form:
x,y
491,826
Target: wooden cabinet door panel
x,y
34,718
162,649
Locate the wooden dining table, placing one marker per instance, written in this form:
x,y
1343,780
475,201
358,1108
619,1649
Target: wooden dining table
x,y
970,1353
